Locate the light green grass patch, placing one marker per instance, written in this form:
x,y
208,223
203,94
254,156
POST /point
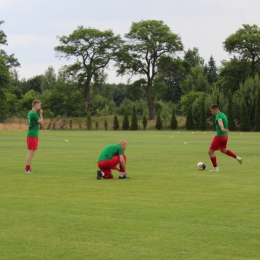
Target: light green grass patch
x,y
166,210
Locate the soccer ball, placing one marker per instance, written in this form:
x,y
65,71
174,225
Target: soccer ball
x,y
201,166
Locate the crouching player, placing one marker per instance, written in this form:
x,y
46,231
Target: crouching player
x,y
112,158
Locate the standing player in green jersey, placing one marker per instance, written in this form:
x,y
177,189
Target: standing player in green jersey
x,y
109,159
220,140
32,135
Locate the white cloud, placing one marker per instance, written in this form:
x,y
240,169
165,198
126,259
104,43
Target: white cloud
x,y
3,3
68,26
31,40
32,26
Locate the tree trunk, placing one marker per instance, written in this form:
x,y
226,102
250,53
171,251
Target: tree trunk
x,y
150,100
87,95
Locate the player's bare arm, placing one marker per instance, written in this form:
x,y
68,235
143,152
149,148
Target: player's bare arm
x,y
222,126
40,122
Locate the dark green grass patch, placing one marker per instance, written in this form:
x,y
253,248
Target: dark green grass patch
x,y
166,210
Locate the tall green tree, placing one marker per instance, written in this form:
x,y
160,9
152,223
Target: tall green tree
x,y
158,123
193,57
167,82
189,119
203,119
9,60
89,121
93,50
212,74
116,123
147,41
244,122
134,122
232,73
49,79
257,113
125,123
248,92
34,83
195,81
144,122
174,122
5,77
245,43
230,113
4,80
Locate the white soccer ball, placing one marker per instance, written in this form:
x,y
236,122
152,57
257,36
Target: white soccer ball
x,y
201,165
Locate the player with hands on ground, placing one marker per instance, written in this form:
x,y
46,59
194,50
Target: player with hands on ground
x,y
113,158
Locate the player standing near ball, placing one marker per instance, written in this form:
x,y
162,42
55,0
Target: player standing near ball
x,y
34,120
219,142
109,159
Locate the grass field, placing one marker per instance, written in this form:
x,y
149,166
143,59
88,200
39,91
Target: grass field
x,y
166,210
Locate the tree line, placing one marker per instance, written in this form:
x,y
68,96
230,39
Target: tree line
x,y
169,78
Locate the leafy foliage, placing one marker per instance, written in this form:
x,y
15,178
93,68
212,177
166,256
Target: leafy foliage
x,y
93,50
232,73
147,41
196,81
193,57
245,42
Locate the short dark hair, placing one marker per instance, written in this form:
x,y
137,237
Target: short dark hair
x,y
35,102
214,106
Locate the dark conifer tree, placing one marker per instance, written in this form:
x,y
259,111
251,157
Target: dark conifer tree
x,y
189,119
257,113
89,121
174,123
125,124
244,123
203,120
116,123
105,124
144,122
230,113
134,122
158,124
212,71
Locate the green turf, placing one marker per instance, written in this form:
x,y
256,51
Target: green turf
x,y
166,210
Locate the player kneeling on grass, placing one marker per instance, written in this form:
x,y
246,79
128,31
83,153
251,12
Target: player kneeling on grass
x,y
110,158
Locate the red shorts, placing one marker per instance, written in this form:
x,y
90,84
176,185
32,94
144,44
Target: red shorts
x,y
32,143
218,143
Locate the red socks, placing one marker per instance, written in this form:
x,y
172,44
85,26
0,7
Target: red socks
x,y
28,167
229,153
214,161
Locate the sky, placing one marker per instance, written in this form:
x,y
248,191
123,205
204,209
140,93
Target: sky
x,y
32,26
